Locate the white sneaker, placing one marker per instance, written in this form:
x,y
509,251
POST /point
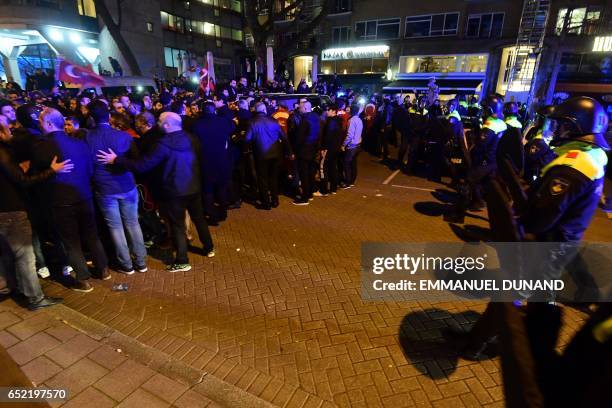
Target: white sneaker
x,y
211,254
43,272
67,270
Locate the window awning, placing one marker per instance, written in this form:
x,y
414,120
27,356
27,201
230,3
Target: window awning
x,y
407,85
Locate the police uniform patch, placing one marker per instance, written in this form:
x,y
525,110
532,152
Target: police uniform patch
x,y
558,186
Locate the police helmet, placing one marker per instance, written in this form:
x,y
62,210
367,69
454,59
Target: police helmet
x,y
511,109
546,110
28,115
587,120
493,105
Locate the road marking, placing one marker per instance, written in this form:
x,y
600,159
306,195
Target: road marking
x,y
388,179
413,188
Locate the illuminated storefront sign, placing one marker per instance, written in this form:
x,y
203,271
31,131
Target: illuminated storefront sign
x,y
370,51
602,44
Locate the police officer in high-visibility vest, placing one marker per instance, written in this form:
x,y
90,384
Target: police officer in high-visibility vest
x,y
538,152
559,208
563,204
483,159
510,146
457,155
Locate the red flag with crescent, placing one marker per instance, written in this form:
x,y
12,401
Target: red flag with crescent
x,y
206,80
69,72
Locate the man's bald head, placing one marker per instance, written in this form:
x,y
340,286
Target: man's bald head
x,y
170,122
51,120
306,107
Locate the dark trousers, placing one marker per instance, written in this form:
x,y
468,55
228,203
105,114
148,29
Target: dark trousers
x,y
216,192
76,225
267,180
306,170
329,184
176,208
350,165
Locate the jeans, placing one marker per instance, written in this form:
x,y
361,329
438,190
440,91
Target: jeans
x,y
16,232
120,212
350,165
76,224
176,207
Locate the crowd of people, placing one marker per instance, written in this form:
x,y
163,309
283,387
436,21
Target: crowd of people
x,y
89,182
144,167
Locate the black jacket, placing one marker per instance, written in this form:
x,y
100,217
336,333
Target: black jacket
x,y
176,153
214,133
268,139
13,180
333,135
67,188
308,136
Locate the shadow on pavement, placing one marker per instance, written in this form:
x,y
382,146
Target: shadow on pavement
x,y
422,342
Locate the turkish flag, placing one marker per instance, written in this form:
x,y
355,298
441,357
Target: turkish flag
x,y
76,74
206,80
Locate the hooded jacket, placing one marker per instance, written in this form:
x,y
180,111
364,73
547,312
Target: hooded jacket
x,y
176,154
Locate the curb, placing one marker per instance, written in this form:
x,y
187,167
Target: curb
x,y
221,392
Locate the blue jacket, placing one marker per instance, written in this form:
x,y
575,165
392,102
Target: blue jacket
x,y
308,136
268,139
214,133
108,179
63,188
176,154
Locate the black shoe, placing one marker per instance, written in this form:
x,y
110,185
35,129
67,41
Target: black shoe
x,y
301,202
261,206
46,301
275,203
141,268
81,286
125,271
235,206
105,275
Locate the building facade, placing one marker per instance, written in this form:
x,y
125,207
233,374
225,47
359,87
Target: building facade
x,y
476,46
166,37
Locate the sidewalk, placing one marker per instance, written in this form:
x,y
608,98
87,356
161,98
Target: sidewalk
x,y
59,348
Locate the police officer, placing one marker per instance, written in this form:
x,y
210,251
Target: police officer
x,y
565,200
419,127
538,152
560,208
510,146
483,159
457,155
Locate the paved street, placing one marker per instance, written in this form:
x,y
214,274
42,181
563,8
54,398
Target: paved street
x,y
278,313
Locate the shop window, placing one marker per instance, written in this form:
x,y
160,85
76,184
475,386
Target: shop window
x,y
489,25
432,25
86,8
171,56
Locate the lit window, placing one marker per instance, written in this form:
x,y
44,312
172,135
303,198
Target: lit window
x,y
86,8
581,20
150,27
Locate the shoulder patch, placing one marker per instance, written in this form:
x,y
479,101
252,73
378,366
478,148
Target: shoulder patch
x,y
558,186
572,155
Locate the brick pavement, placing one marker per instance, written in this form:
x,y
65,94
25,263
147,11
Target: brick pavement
x,y
278,312
52,354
